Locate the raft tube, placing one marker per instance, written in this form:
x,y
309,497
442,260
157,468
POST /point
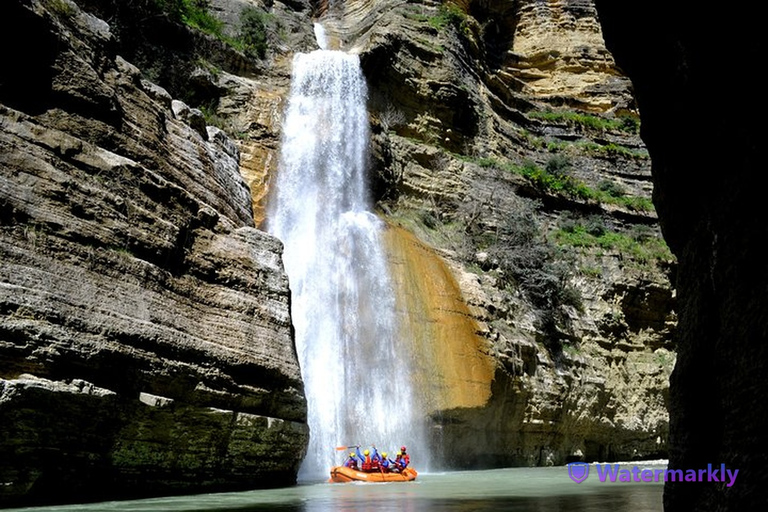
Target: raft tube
x,y
341,474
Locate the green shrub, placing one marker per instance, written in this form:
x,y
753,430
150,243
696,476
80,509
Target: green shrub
x,y
195,13
611,188
630,124
644,248
595,226
625,123
173,8
523,260
637,203
253,31
211,116
558,165
527,259
642,233
558,181
487,162
448,15
61,8
550,182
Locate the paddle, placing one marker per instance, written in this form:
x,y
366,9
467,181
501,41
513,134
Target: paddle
x,y
347,447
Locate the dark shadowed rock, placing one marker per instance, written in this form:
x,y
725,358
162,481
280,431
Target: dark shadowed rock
x,y
706,140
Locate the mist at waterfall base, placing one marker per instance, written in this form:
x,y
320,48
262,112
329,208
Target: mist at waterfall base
x,y
354,360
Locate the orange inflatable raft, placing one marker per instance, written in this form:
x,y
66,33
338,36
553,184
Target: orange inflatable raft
x,y
340,474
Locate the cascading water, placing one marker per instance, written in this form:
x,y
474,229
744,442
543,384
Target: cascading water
x,y
354,363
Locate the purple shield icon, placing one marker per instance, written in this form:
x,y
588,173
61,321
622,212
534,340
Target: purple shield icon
x,y
578,471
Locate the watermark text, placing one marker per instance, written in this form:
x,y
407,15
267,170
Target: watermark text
x,y
579,471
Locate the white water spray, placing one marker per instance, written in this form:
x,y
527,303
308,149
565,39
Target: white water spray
x,y
355,367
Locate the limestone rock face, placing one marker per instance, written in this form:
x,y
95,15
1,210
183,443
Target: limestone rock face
x,y
557,51
460,98
718,408
253,105
146,345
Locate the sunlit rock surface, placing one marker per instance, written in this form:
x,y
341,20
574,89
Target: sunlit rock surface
x,y
451,96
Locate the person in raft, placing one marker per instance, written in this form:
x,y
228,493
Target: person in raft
x,y
405,456
377,462
398,464
365,458
351,462
385,464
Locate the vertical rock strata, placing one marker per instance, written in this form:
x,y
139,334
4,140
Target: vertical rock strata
x,y
709,181
146,345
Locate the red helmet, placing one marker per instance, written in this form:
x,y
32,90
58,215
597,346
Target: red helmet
x,y
402,449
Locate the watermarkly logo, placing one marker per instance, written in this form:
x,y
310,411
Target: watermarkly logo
x,y
579,471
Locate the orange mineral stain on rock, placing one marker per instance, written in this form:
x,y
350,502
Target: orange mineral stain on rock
x,y
452,365
257,164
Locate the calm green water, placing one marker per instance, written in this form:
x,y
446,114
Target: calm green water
x,y
514,489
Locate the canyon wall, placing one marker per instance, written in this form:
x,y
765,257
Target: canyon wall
x,y
565,331
708,180
138,292
146,344
577,331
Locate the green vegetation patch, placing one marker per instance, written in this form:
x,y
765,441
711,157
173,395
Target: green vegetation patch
x,y
448,15
194,13
415,13
61,8
554,178
640,244
627,124
251,38
557,182
610,149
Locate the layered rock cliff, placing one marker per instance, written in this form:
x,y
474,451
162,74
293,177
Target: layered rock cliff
x,y
540,303
505,158
537,285
506,140
146,344
708,181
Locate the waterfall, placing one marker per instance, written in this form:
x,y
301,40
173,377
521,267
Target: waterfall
x,y
355,364
321,36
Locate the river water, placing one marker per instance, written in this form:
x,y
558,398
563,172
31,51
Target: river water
x,y
514,489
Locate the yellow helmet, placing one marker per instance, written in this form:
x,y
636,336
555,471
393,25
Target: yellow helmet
x,y
351,454
383,454
399,453
366,452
